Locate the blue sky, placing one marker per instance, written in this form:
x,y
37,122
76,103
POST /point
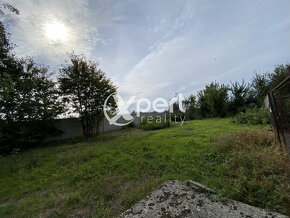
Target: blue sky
x,y
155,48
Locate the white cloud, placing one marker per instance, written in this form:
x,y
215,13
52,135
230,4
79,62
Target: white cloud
x,y
156,48
186,61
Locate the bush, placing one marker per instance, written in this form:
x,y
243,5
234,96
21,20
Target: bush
x,y
19,136
153,124
253,116
255,167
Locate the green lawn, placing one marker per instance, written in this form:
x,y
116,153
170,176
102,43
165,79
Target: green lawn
x,y
107,174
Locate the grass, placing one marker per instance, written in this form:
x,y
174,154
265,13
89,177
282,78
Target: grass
x,y
251,167
106,175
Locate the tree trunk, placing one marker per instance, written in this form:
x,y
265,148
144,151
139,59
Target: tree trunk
x,y
84,128
97,124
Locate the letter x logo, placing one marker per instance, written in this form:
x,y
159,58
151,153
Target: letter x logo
x,y
122,110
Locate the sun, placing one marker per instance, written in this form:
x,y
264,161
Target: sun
x,y
56,32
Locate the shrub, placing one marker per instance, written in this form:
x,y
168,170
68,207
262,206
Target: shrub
x,y
19,136
153,124
253,116
255,167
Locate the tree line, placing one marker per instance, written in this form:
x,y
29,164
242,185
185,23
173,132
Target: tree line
x,y
220,100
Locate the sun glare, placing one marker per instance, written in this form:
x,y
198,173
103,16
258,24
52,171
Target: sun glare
x,y
56,31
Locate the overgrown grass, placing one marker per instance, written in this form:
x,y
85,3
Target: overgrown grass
x,y
251,167
106,175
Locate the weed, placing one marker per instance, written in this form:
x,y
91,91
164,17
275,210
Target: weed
x,y
255,169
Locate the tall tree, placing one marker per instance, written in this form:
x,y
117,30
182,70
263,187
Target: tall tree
x,y
260,85
203,106
190,107
29,104
216,97
264,83
6,58
28,99
279,74
239,96
85,89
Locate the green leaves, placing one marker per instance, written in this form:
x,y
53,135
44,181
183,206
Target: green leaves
x,y
264,83
85,89
29,103
212,100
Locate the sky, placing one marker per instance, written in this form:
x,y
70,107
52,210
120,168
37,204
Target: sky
x,y
156,48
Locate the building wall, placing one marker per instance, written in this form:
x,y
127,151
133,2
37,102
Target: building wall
x,y
72,127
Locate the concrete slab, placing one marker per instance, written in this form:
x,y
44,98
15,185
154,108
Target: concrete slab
x,y
176,199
